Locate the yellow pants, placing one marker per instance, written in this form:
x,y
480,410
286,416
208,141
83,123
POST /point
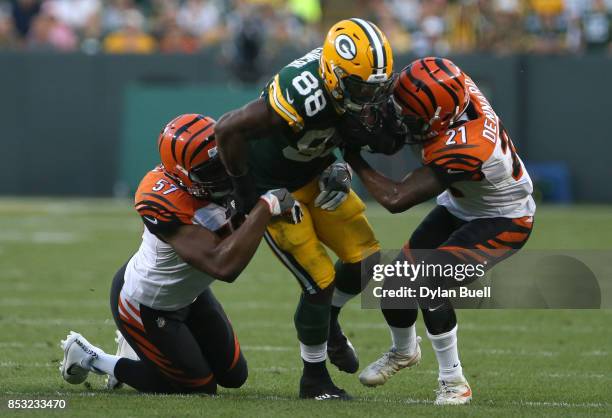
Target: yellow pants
x,y
346,231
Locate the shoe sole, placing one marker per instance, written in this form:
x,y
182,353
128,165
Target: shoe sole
x,y
463,402
340,365
459,400
327,397
72,378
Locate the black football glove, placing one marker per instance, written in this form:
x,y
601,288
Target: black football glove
x,y
335,185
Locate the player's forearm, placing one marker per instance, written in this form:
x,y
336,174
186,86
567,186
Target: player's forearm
x,y
232,144
384,190
233,254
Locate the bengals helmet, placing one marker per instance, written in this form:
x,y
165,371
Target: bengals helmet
x,y
429,96
356,64
189,156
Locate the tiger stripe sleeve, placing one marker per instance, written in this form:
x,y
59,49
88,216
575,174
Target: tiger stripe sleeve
x,y
453,167
160,215
282,107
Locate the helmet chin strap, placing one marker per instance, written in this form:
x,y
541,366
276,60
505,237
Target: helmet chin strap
x,y
175,178
352,106
436,116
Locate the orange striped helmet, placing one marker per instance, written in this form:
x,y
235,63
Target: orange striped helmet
x,y
188,152
430,95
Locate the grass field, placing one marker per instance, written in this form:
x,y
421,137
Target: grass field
x,y
57,258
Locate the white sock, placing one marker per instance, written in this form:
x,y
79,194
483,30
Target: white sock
x,y
404,339
104,363
340,298
314,353
445,346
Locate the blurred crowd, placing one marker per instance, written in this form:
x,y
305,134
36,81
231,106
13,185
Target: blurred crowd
x,y
499,26
142,27
245,27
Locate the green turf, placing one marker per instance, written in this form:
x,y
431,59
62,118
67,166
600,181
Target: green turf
x,y
57,258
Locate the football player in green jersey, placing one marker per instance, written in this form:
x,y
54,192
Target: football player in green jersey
x,y
286,138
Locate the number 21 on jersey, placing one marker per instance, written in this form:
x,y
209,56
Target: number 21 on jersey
x,y
452,140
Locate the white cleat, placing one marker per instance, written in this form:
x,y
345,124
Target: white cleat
x,y
125,350
78,353
453,393
391,362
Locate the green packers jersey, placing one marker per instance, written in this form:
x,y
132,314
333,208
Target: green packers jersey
x,y
305,147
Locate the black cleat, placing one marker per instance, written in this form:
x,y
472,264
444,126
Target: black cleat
x,y
342,354
321,390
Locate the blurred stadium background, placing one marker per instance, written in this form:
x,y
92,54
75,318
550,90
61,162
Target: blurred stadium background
x,y
86,85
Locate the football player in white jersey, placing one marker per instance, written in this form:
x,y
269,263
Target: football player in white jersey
x,y
484,205
177,335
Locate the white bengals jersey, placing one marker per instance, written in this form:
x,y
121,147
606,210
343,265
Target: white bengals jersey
x,y
477,158
156,276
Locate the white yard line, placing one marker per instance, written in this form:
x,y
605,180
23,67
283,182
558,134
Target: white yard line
x,y
100,302
10,364
41,237
55,321
295,348
509,352
562,404
278,369
15,344
54,303
289,325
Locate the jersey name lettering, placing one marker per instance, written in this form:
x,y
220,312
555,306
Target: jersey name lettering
x,y
491,129
313,55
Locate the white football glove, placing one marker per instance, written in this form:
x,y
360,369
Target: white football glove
x,y
282,203
335,185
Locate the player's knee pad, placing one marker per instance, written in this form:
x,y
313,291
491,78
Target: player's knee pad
x,y
348,277
352,278
236,377
312,321
322,297
400,318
